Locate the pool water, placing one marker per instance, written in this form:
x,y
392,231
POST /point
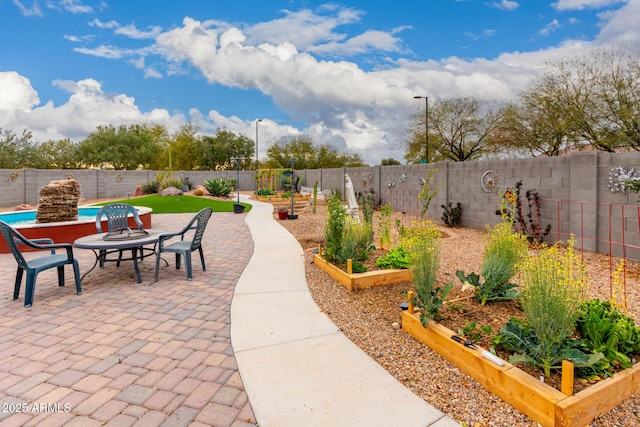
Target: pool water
x,y
29,217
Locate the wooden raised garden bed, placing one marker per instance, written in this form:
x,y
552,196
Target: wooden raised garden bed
x,y
278,199
539,401
355,281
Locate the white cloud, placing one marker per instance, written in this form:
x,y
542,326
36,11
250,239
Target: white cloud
x,y
109,52
76,6
79,39
482,35
506,5
87,107
32,10
152,73
17,93
132,32
621,27
584,4
369,41
105,25
550,27
310,28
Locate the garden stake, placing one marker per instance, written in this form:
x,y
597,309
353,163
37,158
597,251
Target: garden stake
x,y
410,307
567,377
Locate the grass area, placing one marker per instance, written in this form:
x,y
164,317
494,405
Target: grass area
x,y
179,204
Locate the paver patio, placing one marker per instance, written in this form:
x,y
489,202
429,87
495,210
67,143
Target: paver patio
x,y
125,353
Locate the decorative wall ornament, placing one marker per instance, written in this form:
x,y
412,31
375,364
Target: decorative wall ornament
x,y
370,176
403,176
392,184
14,176
422,181
118,177
364,183
618,176
490,182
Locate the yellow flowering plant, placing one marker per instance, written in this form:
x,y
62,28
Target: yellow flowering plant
x,y
504,250
554,286
422,241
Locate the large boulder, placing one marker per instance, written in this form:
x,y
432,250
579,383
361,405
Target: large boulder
x,y
138,191
171,191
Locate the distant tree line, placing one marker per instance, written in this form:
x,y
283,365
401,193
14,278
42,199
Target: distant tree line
x,y
587,102
153,147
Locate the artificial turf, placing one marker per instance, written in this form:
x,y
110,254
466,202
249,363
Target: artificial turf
x,y
179,204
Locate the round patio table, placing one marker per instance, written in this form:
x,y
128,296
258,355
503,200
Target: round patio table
x,y
103,244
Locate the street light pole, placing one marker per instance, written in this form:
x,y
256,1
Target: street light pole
x,y
426,124
257,161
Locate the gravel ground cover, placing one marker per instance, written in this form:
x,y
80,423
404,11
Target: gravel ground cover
x,y
371,317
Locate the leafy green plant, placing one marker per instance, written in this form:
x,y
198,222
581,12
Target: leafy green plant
x,y
554,286
504,250
519,337
264,192
604,329
452,215
474,333
334,228
423,244
219,187
397,257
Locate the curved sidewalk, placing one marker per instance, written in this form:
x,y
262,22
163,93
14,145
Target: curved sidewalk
x,y
296,366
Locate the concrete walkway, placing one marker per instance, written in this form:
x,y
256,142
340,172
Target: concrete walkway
x,y
296,366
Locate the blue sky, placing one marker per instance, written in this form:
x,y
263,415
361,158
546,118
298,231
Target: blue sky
x,y
343,73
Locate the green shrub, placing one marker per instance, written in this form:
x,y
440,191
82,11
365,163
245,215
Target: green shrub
x,y
219,187
452,215
151,187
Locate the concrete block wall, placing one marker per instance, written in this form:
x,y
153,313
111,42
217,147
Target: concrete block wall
x,y
574,189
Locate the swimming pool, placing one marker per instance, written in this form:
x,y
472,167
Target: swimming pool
x,y
29,217
62,232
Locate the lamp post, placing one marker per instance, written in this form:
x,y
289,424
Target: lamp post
x,y
426,124
293,194
257,161
237,208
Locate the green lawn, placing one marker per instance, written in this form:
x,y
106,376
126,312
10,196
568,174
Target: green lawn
x,y
179,204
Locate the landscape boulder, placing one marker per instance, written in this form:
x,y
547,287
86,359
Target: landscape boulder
x,y
171,191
